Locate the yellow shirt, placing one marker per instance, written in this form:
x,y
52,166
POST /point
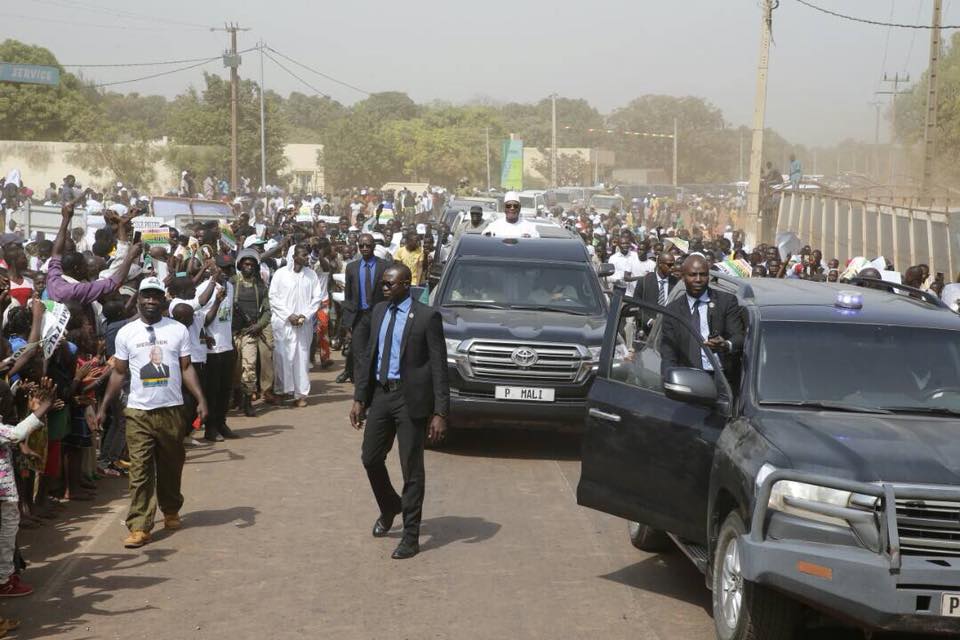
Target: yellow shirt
x,y
413,260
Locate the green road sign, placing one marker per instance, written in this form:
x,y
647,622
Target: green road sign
x,y
29,73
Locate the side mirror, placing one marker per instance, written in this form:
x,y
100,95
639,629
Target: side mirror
x,y
695,386
606,270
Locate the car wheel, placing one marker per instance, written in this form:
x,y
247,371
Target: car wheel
x,y
647,538
744,610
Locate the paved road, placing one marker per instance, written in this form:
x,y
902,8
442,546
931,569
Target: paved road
x,y
276,544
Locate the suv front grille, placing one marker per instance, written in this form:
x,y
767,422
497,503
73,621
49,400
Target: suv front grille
x,y
494,360
929,527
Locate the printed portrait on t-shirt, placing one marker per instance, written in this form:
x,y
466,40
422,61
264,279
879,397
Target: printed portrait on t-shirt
x,y
155,373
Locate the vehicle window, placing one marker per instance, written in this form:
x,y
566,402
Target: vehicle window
x,y
605,202
873,366
636,362
528,202
572,288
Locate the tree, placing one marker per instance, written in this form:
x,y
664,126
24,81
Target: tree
x,y
308,118
204,120
129,163
572,168
68,111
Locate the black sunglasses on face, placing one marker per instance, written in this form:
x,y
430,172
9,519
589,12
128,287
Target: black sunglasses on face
x,y
511,206
365,245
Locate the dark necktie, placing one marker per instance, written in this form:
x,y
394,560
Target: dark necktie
x,y
696,340
369,284
387,346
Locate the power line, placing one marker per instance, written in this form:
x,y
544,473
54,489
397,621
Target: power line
x,y
135,64
157,75
121,13
875,22
89,25
319,73
913,37
307,84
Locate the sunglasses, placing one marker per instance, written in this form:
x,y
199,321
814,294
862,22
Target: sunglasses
x,y
365,245
510,207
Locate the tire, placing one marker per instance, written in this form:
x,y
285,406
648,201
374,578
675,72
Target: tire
x,y
647,538
744,610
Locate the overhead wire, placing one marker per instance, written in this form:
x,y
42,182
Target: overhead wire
x,y
913,36
157,75
319,73
134,64
88,25
877,23
305,83
121,13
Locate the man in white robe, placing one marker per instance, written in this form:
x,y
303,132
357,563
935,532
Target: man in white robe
x,y
295,295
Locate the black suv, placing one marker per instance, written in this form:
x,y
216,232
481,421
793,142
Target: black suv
x,y
828,476
524,320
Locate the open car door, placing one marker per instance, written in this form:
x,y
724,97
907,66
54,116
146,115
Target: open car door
x,y
646,456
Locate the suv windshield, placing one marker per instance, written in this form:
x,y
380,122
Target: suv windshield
x,y
605,202
570,288
874,367
528,202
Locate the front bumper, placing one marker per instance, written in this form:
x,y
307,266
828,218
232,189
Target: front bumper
x,y
880,589
860,586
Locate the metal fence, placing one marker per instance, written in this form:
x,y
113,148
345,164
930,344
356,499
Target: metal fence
x,y
845,227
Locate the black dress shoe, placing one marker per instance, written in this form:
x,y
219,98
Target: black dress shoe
x,y
343,378
383,525
405,550
227,432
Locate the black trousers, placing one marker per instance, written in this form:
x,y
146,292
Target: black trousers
x,y
387,418
190,403
217,383
359,341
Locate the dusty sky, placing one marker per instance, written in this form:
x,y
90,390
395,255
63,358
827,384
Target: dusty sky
x,y
824,70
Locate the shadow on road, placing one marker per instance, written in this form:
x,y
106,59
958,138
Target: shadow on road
x,y
211,454
263,431
241,517
444,530
92,580
668,574
499,443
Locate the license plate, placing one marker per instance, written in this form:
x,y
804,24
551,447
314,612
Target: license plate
x,y
950,605
531,394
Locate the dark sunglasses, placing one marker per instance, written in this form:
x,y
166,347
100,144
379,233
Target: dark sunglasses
x,y
365,244
511,206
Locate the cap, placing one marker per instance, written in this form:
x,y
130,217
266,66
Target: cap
x,y
224,261
152,284
511,197
270,245
253,241
476,209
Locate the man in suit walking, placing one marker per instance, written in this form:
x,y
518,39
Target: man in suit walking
x,y
715,315
401,391
362,292
654,288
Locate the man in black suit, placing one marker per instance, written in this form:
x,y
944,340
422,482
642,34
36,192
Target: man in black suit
x,y
362,292
403,383
715,315
654,288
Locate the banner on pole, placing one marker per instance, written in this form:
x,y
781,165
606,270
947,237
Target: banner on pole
x,y
511,176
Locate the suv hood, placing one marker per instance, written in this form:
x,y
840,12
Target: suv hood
x,y
867,447
512,324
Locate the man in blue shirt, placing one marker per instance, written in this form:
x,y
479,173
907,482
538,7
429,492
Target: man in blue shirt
x,y
403,383
362,291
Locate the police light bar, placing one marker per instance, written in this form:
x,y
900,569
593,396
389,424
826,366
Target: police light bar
x,y
849,300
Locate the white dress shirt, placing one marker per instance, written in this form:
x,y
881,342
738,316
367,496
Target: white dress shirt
x,y
703,310
623,263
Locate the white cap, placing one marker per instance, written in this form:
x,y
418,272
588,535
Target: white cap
x,y
253,240
120,209
270,245
511,197
152,284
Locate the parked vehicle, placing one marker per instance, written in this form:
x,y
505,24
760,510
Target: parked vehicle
x,y
826,472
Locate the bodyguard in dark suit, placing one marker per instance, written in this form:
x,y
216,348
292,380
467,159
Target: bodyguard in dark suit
x,y
362,292
401,391
655,287
717,317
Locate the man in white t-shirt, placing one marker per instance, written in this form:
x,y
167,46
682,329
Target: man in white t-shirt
x,y
627,265
155,351
190,309
218,374
511,225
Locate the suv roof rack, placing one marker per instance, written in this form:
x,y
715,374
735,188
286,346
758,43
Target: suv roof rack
x,y
744,290
896,287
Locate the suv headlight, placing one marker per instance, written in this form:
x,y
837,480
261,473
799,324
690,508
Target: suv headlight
x,y
788,496
595,353
453,345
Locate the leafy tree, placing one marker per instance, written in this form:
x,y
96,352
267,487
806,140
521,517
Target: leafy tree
x,y
308,118
572,168
130,163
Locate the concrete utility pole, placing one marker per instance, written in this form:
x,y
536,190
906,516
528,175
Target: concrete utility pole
x,y
930,125
231,59
553,143
486,133
674,152
752,224
263,129
895,81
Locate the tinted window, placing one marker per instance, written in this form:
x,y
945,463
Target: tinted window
x,y
875,366
563,287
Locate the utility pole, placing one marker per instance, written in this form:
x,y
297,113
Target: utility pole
x,y
231,59
895,81
930,124
674,152
263,129
876,140
486,132
753,215
553,143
